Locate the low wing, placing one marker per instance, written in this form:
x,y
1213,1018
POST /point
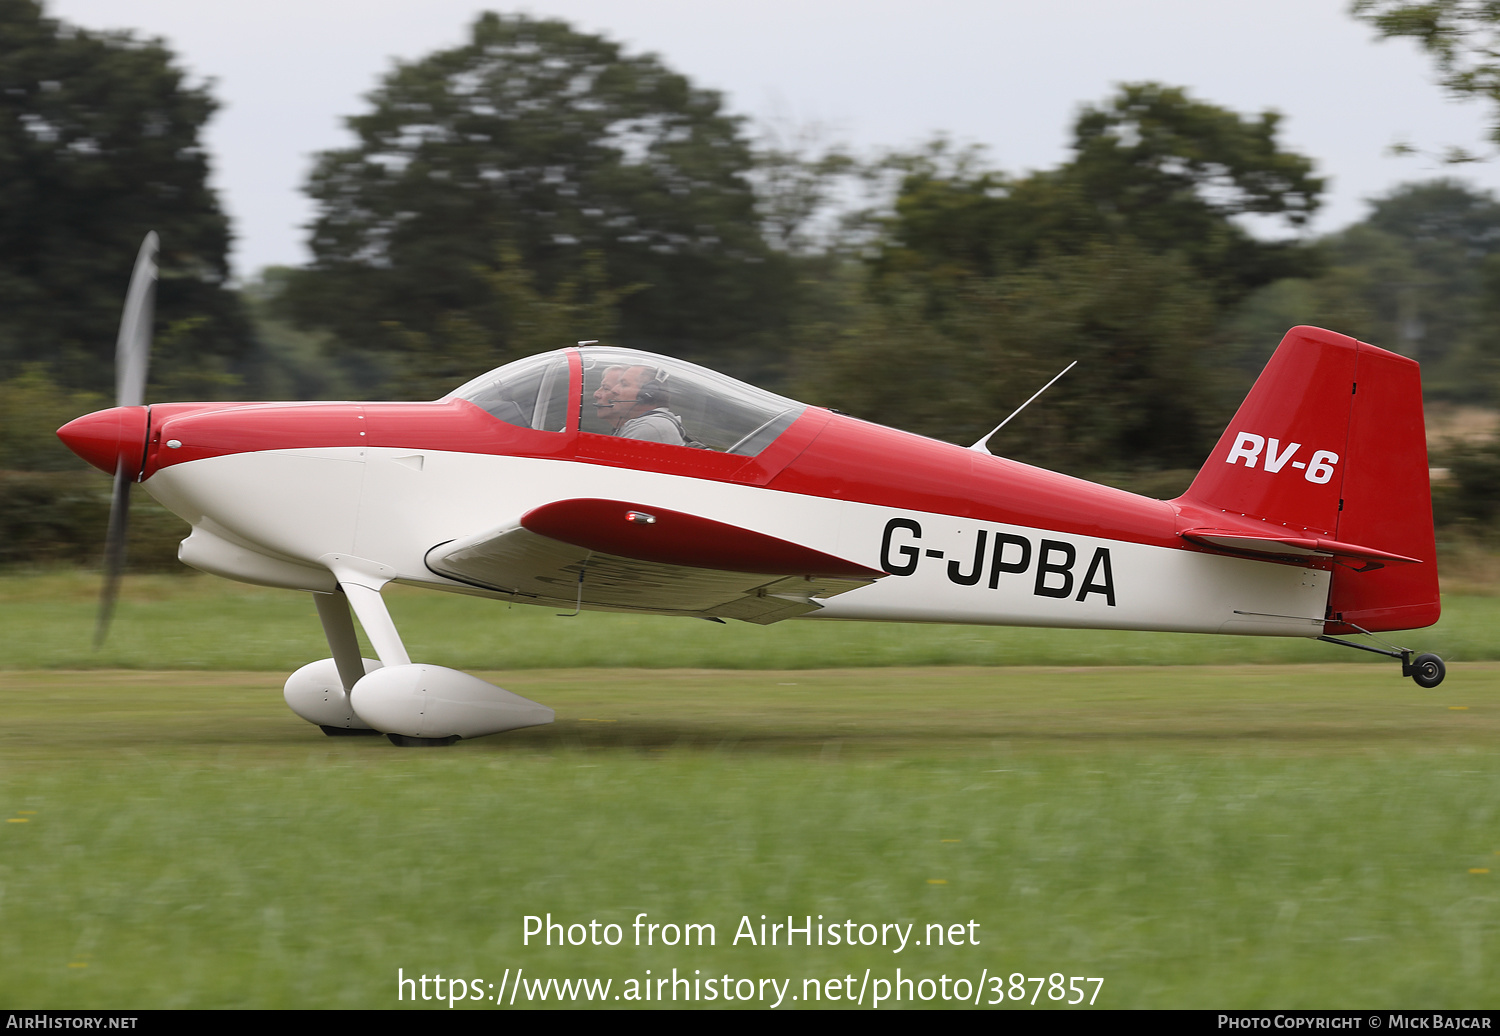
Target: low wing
x,y
616,555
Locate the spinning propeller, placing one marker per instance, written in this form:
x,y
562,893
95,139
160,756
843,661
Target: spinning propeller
x,y
132,355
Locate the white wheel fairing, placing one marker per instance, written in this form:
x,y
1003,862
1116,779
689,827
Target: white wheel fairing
x,y
316,693
434,702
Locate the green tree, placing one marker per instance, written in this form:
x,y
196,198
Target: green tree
x,y
1125,258
1419,275
1462,37
528,322
1177,174
32,407
291,363
1151,166
1441,309
798,177
1140,396
99,143
555,149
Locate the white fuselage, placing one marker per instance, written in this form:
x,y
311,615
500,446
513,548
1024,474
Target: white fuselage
x,y
278,518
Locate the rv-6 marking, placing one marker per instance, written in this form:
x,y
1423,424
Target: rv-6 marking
x,y
1002,553
1248,446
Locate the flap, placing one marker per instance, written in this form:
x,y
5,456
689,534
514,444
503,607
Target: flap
x,y
516,560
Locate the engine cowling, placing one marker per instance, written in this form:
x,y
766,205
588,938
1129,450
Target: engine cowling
x,y
431,701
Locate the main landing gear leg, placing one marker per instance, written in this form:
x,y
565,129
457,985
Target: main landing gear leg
x,y
338,627
321,692
376,620
1426,670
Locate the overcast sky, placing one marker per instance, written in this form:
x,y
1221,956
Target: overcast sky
x,y
879,73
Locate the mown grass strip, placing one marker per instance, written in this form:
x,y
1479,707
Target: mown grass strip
x,y
1200,837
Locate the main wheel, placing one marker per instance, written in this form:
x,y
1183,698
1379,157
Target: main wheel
x,y
1428,670
348,731
407,741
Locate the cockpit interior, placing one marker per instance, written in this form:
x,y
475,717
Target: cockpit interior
x,y
599,390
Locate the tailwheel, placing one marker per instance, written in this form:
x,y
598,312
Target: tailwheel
x,y
1427,670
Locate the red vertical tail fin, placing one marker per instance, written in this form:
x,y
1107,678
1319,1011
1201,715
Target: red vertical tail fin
x,y
1329,449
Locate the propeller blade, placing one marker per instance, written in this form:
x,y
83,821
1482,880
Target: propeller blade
x,y
133,347
132,357
114,553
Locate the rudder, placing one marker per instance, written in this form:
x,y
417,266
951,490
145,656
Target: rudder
x,y
1387,500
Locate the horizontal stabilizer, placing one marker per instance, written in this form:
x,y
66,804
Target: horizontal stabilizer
x,y
1273,545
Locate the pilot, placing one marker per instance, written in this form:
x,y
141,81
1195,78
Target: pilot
x,y
607,395
635,403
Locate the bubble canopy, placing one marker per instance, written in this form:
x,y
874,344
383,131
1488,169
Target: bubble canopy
x,y
633,394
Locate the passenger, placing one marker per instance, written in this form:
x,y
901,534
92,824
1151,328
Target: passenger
x,y
633,402
638,406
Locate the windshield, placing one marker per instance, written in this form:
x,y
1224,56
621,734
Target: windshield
x,y
530,393
638,395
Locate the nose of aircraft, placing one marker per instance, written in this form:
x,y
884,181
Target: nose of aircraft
x,y
106,438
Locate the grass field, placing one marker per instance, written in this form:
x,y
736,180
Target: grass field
x,y
1281,836
1195,834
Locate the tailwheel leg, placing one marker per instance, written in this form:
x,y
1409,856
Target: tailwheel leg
x,y
1425,670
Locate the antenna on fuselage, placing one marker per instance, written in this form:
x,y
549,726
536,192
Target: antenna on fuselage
x,y
983,445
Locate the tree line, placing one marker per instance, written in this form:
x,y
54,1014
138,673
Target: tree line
x,y
537,185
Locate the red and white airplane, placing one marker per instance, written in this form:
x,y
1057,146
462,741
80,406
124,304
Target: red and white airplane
x,y
613,479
